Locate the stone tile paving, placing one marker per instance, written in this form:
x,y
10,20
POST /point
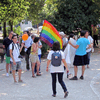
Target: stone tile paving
x,y
39,88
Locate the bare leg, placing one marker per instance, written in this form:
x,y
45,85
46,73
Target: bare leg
x,y
10,68
83,69
19,74
87,66
7,68
38,66
14,75
75,70
33,66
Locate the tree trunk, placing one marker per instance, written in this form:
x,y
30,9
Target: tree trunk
x,y
4,30
11,25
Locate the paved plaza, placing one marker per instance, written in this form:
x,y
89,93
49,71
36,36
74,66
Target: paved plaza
x,y
39,88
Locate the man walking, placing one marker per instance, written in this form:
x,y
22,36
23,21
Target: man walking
x,y
15,57
7,41
28,44
81,58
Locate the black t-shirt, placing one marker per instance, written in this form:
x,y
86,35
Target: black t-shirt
x,y
7,42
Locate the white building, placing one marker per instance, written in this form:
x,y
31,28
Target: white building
x,y
25,24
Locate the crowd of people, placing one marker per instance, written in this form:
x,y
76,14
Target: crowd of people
x,y
74,53
32,50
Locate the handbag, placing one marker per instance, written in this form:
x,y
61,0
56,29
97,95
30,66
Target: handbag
x,y
28,50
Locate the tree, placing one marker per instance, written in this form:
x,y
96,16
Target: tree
x,y
73,14
34,11
49,9
97,2
11,10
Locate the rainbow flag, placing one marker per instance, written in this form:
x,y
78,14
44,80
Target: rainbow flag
x,y
49,34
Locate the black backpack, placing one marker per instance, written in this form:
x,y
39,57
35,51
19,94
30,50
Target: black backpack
x,y
56,59
8,51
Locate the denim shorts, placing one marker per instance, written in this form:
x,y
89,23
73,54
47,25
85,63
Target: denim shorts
x,y
17,66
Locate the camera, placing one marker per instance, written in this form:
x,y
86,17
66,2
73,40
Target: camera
x,y
20,56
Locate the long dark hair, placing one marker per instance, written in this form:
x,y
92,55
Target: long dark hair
x,y
36,39
56,46
70,36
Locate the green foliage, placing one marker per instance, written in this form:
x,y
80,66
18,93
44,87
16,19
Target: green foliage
x,y
73,14
34,11
49,9
44,48
97,2
17,30
11,10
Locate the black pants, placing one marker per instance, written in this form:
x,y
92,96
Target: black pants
x,y
60,80
2,58
27,61
95,37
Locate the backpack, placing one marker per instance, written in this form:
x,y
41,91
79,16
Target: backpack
x,y
56,59
8,51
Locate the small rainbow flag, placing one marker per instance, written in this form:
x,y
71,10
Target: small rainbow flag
x,y
49,34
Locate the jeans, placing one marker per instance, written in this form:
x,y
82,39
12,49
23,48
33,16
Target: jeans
x,y
60,80
88,55
27,61
36,64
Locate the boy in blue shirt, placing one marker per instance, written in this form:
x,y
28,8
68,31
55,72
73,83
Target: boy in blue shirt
x,y
81,58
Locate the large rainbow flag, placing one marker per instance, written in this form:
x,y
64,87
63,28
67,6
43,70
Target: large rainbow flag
x,y
49,34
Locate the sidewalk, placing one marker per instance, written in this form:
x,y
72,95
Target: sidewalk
x,y
39,88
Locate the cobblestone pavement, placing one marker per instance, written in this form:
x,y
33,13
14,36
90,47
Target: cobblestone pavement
x,y
39,88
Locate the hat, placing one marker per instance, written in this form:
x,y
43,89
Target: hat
x,y
62,33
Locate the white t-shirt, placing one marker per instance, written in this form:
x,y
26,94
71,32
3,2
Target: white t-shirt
x,y
28,42
15,53
39,50
91,41
59,68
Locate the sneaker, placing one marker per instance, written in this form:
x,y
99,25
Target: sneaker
x,y
68,74
66,94
28,69
10,72
54,95
7,74
81,77
74,78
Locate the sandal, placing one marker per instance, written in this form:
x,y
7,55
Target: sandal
x,y
38,75
33,76
20,81
15,81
